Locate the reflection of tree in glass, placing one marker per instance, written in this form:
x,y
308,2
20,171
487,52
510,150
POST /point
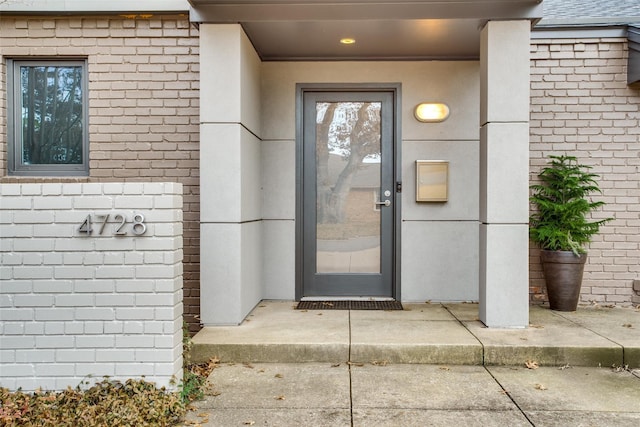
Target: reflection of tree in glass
x,y
51,114
350,130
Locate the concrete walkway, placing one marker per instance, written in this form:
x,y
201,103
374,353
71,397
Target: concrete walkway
x,y
430,365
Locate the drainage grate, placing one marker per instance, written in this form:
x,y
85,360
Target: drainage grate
x,y
349,305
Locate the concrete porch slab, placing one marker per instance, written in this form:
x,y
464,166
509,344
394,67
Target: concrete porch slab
x,y
424,333
276,332
620,325
550,340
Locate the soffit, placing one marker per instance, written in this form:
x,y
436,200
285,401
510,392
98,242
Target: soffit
x,y
391,29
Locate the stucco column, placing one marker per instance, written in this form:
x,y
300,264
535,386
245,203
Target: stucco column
x,y
504,174
230,171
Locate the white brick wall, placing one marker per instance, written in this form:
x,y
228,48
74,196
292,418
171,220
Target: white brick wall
x,y
73,305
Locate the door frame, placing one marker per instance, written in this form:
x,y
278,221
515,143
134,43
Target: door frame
x,y
395,90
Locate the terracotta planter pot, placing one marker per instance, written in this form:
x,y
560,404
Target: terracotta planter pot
x,y
563,276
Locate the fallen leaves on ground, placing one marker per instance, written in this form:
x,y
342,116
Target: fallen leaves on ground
x,y
278,375
628,325
107,403
379,362
444,368
531,325
531,364
281,397
540,387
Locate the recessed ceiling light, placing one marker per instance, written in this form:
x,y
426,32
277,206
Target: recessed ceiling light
x,y
347,40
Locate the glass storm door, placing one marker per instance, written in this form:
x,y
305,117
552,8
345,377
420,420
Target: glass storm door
x,y
348,194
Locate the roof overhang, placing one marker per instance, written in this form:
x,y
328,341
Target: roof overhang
x,y
633,68
391,29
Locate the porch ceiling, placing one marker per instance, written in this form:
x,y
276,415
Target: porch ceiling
x,y
383,29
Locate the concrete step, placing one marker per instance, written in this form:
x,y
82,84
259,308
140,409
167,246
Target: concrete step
x,y
448,334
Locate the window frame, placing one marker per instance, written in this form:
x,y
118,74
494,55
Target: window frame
x,y
15,164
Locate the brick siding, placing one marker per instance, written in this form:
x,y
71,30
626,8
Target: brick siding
x,y
143,105
76,305
581,105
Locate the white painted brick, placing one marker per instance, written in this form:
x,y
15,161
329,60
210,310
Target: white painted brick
x,y
115,300
157,271
70,189
51,189
133,258
120,355
79,272
16,231
34,217
113,272
73,328
35,356
13,329
19,369
52,203
94,286
52,286
93,203
14,314
55,341
134,313
113,327
54,328
169,285
94,327
134,328
75,300
95,370
134,202
136,286
158,244
9,190
94,314
55,369
47,314
33,245
134,369
95,341
135,341
7,356
154,356
23,300
31,189
32,258
169,313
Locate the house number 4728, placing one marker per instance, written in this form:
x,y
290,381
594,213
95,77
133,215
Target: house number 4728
x,y
118,224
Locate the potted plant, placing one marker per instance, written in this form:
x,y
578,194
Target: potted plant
x,y
561,226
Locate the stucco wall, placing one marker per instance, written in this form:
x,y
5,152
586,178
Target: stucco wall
x,y
581,105
143,104
439,241
77,305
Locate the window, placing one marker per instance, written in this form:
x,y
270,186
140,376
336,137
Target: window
x,y
48,118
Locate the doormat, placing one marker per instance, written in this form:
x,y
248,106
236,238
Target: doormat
x,y
349,305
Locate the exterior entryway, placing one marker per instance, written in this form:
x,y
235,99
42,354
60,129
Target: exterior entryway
x,y
347,197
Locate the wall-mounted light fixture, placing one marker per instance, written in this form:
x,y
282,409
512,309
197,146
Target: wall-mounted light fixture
x,y
431,112
347,40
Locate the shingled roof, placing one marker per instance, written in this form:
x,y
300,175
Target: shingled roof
x,y
590,12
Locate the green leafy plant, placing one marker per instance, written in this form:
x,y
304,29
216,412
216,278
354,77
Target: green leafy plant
x,y
561,220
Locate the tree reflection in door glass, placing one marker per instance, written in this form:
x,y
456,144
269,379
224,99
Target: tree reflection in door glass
x,y
348,164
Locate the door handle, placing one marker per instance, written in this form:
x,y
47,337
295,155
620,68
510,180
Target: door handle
x,y
384,203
